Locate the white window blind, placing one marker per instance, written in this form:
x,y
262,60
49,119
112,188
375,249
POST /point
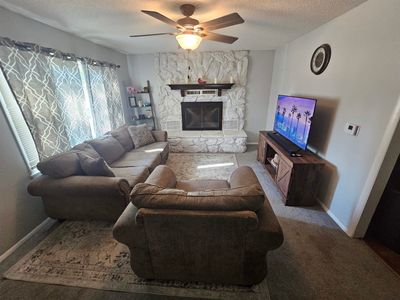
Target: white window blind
x,y
18,125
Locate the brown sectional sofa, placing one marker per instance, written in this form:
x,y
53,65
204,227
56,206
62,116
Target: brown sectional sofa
x,y
201,230
75,196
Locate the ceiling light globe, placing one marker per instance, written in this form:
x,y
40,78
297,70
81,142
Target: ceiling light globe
x,y
188,41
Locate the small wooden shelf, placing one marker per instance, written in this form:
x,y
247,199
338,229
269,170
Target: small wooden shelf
x,y
183,87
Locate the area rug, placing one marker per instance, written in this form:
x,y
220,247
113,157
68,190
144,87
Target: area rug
x,y
202,165
84,254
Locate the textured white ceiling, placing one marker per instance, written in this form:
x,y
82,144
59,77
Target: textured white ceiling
x,y
268,23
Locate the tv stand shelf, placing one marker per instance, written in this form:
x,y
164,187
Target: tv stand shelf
x,y
297,177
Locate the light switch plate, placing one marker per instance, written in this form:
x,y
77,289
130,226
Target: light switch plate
x,y
351,128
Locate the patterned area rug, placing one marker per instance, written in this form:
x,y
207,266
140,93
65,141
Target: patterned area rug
x,y
202,165
84,254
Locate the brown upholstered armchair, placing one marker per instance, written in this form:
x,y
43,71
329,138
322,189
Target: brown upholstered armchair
x,y
200,230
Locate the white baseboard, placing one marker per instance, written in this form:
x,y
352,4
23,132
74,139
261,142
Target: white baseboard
x,y
334,218
24,239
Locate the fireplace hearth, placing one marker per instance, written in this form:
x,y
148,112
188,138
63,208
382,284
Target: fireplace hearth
x,y
201,115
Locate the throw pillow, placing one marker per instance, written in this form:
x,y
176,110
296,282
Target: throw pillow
x,y
122,135
108,147
61,165
141,135
94,166
87,149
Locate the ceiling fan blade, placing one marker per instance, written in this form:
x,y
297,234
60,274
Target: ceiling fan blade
x,y
220,38
151,34
225,21
161,17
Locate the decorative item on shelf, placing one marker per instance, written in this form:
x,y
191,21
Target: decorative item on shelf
x,y
132,90
201,81
132,101
320,59
139,102
146,89
231,79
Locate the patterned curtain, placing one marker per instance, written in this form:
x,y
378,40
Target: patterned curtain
x,y
49,92
106,98
48,87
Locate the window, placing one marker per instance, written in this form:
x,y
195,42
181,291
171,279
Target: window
x,y
18,126
55,100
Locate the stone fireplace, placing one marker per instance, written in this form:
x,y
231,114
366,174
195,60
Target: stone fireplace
x,y
202,122
201,115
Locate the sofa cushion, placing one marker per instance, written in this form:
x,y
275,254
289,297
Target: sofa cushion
x,y
141,135
122,135
202,185
87,149
108,148
133,175
94,166
138,159
61,165
158,147
146,195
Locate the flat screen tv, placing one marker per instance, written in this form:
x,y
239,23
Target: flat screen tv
x,y
293,118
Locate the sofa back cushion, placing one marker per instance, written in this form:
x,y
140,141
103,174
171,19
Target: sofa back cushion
x,y
145,195
94,166
87,149
141,135
61,165
122,135
108,148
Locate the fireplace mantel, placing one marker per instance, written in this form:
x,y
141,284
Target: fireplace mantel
x,y
183,87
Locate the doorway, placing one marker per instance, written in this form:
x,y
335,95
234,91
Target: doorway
x,y
383,234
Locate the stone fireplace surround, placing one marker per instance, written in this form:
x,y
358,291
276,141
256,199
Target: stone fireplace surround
x,y
220,66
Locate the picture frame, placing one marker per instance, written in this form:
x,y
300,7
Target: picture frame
x,y
132,101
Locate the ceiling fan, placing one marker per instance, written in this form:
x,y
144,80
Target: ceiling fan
x,y
191,31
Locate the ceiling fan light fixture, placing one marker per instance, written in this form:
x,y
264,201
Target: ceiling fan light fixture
x,y
188,41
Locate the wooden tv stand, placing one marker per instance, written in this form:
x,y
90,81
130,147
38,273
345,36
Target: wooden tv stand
x,y
298,178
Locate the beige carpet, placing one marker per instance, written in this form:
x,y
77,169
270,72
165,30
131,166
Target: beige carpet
x,y
84,254
202,165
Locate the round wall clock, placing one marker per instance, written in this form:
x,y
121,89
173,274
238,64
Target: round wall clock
x,y
320,59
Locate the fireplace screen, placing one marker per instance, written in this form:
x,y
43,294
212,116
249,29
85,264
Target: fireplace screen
x,y
201,115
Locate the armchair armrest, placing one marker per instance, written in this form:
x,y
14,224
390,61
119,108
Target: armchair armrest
x,y
162,176
269,234
126,230
79,186
160,136
243,176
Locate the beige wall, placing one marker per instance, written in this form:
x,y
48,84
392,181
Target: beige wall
x,y
360,85
20,213
141,69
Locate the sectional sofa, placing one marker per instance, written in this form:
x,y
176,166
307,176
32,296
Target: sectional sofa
x,y
69,193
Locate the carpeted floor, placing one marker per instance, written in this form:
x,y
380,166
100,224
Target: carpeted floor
x,y
318,260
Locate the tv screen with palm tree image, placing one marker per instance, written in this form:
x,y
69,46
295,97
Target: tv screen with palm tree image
x,y
293,118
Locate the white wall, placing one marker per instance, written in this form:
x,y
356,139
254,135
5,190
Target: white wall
x,y
360,85
259,80
141,69
20,213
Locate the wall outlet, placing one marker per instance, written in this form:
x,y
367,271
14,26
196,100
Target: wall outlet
x,y
351,128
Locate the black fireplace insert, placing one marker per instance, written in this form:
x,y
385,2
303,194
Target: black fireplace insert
x,y
201,115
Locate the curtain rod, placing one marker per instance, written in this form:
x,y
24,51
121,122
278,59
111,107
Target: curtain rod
x,y
53,52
